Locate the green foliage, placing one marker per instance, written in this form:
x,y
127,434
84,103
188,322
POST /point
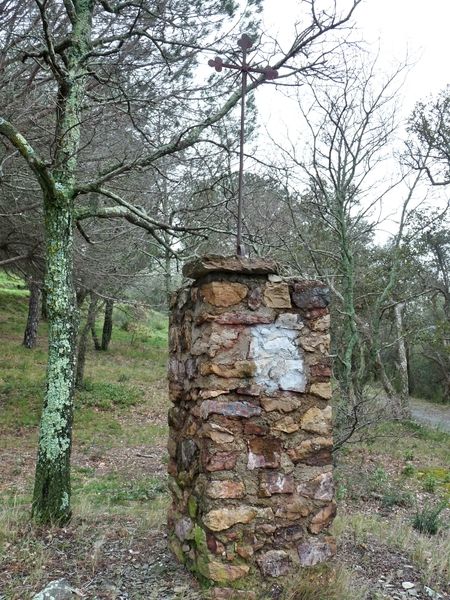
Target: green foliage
x,y
106,395
113,489
428,519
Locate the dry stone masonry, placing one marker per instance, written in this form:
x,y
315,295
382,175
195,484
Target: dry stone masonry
x,y
250,428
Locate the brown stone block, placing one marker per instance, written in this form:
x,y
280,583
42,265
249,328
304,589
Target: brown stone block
x,y
244,550
216,433
214,263
221,461
317,420
224,518
221,572
309,448
322,323
232,424
293,508
280,404
264,452
238,369
315,341
323,390
223,293
214,545
286,425
206,394
276,295
225,489
323,518
273,482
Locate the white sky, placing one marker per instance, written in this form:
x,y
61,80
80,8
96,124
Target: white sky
x,y
397,28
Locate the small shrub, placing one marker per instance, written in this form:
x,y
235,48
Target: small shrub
x,y
409,455
408,470
395,497
428,519
378,479
430,483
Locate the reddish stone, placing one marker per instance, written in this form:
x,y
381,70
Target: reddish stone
x,y
221,461
264,452
251,428
320,370
273,482
232,318
229,409
214,545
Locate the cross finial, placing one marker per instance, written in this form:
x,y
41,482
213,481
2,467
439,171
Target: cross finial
x,y
245,43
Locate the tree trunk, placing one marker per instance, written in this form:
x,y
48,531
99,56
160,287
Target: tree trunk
x,y
44,315
95,339
403,411
82,342
51,497
30,335
107,324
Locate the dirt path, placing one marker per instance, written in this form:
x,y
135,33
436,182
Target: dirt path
x,y
436,415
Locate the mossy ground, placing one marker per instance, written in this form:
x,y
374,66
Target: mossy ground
x,y
116,539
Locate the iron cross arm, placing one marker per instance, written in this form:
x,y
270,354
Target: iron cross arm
x,y
219,64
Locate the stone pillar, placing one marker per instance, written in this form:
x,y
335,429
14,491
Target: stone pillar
x,y
250,428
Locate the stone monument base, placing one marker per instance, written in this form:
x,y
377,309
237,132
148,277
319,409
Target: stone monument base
x,y
250,428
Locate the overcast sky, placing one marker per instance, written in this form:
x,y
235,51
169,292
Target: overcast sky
x,y
417,29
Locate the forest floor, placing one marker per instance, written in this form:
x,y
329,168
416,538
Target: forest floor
x,y
115,545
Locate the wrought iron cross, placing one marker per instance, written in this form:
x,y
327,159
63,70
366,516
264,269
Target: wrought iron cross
x,y
245,43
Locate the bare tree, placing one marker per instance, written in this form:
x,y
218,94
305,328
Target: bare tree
x,y
124,62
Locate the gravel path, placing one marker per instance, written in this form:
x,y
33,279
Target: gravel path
x,y
436,415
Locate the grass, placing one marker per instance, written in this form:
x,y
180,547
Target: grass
x,y
324,582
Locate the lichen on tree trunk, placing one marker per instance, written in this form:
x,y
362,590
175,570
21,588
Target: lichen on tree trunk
x,y
51,497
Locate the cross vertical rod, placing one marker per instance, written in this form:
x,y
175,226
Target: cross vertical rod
x,y
239,246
